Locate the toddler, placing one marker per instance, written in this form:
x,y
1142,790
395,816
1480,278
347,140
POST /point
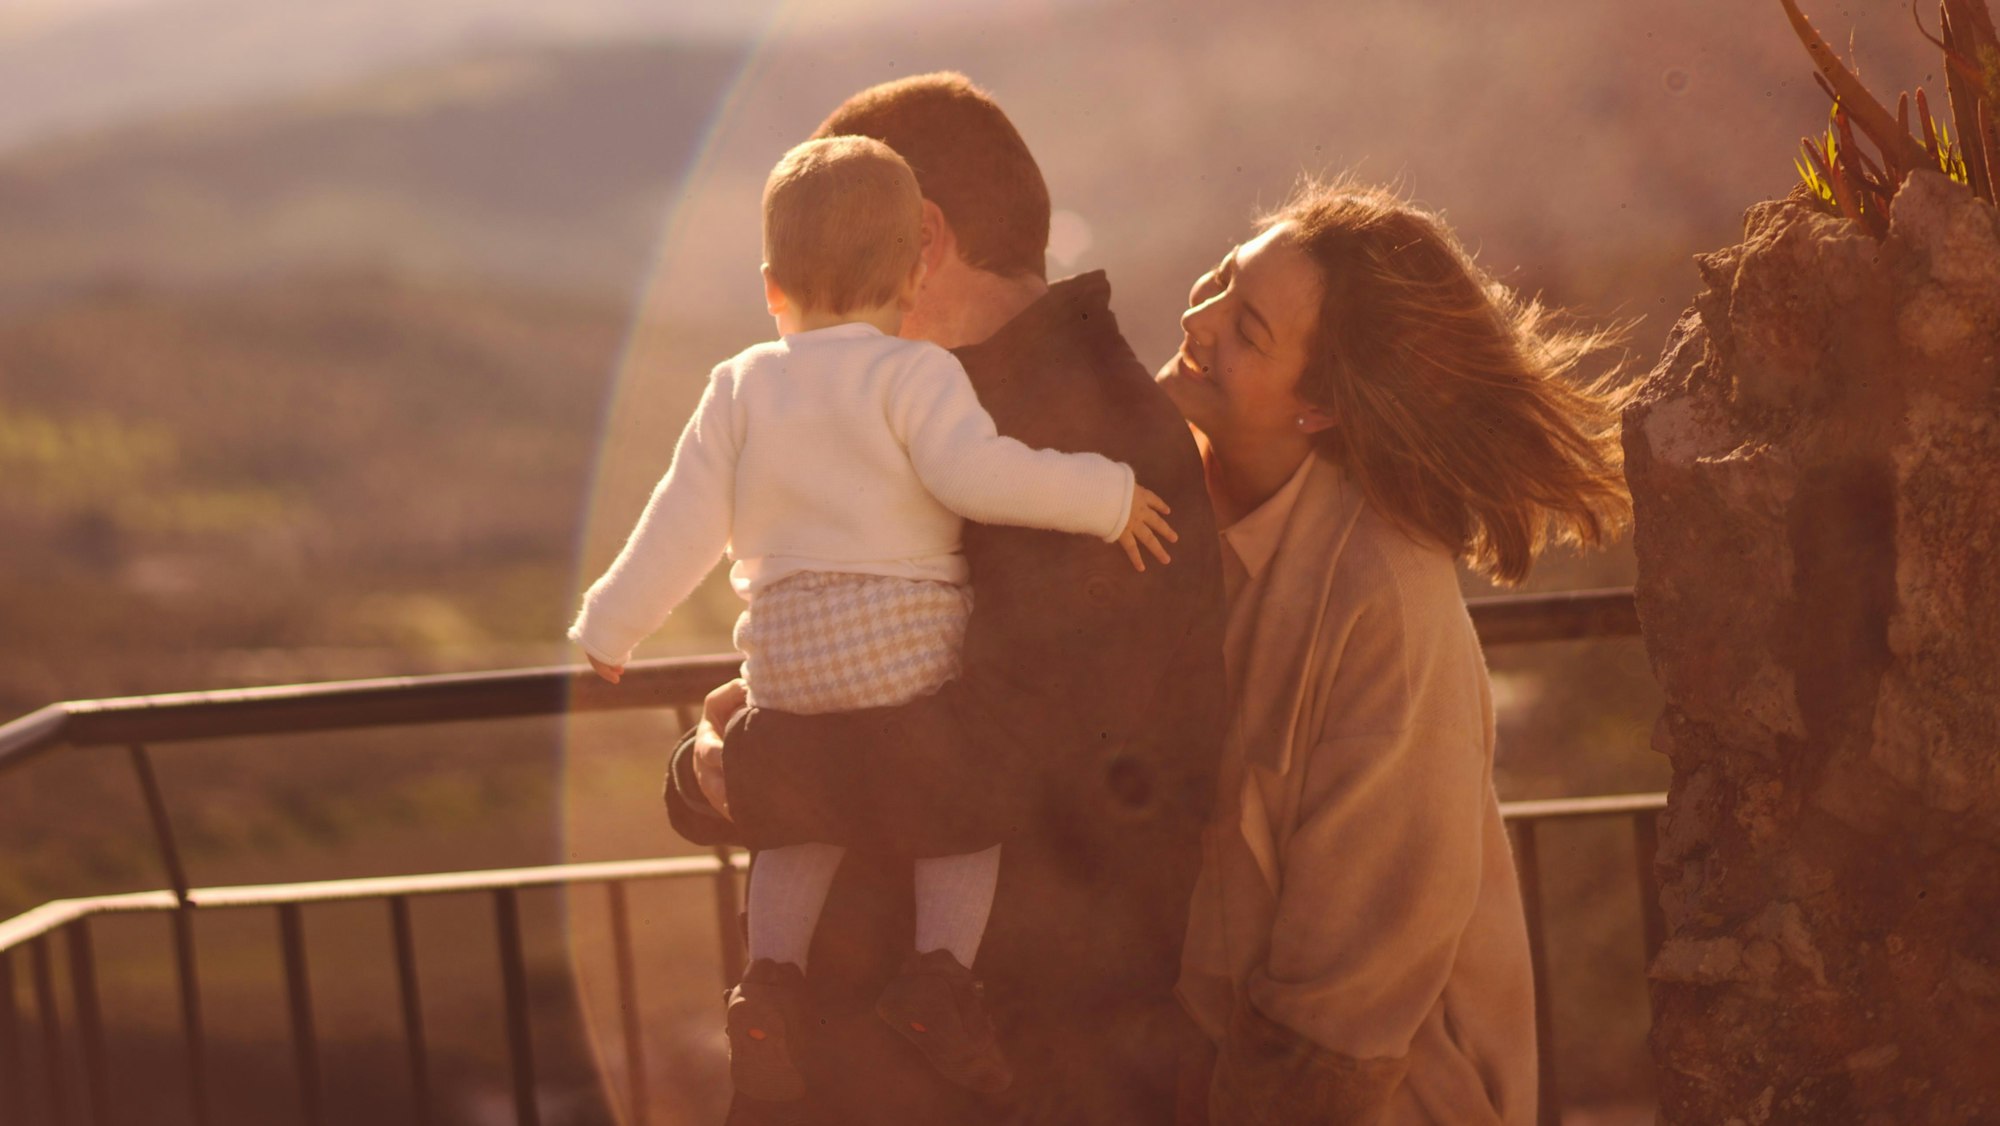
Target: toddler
x,y
836,465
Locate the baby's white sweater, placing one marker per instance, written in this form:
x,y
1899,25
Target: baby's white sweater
x,y
840,449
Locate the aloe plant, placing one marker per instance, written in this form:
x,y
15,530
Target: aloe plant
x,y
1845,179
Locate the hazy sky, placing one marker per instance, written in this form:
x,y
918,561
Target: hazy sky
x,y
21,17
71,66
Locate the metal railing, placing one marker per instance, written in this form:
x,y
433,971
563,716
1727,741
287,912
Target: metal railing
x,y
137,723
71,919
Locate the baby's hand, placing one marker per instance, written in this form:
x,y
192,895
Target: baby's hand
x,y
608,672
1147,525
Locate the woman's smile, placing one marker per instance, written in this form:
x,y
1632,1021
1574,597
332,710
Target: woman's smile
x,y
1245,337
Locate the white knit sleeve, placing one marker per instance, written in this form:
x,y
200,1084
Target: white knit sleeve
x,y
683,531
965,463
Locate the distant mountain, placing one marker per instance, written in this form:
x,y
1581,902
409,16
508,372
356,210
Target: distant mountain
x,y
547,167
73,66
68,66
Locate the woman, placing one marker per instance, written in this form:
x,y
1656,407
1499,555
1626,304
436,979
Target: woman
x,y
1371,410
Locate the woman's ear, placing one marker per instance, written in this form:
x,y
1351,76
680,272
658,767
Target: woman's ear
x,y
1312,420
774,298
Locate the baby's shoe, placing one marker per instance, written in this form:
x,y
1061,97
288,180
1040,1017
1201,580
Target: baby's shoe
x,y
765,1009
937,1005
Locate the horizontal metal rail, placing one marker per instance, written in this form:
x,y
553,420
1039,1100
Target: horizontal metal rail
x,y
400,701
34,930
1562,809
58,913
516,693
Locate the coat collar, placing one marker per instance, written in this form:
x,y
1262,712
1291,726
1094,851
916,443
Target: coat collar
x,y
1080,303
1287,647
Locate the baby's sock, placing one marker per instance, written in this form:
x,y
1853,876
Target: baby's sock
x,y
954,897
787,889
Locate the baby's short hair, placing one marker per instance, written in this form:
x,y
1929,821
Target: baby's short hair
x,y
842,221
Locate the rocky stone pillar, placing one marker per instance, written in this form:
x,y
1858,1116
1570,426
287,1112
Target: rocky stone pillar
x,y
1815,465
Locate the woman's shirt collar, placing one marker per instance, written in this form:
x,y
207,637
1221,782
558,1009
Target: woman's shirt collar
x,y
1255,537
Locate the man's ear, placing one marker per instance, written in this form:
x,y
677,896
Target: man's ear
x,y
774,298
936,239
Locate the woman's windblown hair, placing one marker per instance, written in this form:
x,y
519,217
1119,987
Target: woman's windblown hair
x,y
1457,407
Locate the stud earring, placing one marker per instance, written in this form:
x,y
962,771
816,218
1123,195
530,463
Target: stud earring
x,y
1301,420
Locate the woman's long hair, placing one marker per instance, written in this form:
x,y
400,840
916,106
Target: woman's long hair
x,y
1455,402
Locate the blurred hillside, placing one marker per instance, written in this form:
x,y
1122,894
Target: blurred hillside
x,y
370,379
69,67
262,483
543,169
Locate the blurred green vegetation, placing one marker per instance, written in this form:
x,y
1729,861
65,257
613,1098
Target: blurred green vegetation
x,y
319,478
314,479
1841,175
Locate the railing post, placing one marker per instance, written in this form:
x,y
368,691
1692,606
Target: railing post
x,y
1549,1112
163,828
13,1080
183,927
413,1007
729,918
182,921
89,1021
298,986
514,981
53,1068
628,1004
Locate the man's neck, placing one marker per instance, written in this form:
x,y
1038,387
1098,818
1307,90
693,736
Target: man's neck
x,y
885,317
972,305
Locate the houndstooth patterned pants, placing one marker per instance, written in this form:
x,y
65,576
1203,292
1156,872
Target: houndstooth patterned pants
x,y
830,642
827,642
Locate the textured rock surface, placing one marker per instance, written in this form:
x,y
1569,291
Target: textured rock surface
x,y
1816,469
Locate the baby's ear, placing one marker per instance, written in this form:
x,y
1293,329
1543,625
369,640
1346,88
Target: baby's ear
x,y
774,298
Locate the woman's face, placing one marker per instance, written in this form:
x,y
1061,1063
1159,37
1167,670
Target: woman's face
x,y
1245,339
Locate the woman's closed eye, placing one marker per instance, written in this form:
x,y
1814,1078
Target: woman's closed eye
x,y
1214,281
1205,287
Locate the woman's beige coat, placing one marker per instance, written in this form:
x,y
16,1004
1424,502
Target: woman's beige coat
x,y
1357,947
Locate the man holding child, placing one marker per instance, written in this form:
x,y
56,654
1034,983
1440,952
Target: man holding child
x,y
1082,733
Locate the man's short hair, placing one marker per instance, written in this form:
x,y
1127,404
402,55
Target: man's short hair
x,y
843,220
969,160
